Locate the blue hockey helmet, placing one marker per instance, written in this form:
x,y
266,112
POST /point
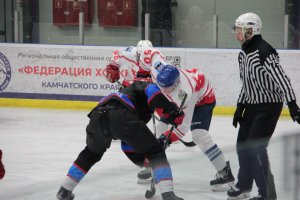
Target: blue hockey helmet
x,y
167,76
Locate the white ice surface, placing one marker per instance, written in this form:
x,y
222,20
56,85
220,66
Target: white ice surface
x,y
40,145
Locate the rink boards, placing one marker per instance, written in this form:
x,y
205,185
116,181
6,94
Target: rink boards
x,y
72,77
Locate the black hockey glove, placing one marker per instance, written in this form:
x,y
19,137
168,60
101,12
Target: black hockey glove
x,y
294,111
238,114
163,139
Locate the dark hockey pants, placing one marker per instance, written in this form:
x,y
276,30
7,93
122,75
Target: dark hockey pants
x,y
256,128
136,158
117,122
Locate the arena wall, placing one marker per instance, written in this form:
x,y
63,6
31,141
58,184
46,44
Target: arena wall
x,y
71,77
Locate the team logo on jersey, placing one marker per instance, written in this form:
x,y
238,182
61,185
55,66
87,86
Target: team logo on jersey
x,y
5,72
181,94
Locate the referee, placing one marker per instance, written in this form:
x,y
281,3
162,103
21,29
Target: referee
x,y
265,86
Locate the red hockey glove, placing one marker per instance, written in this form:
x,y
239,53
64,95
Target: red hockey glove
x,y
294,111
112,73
143,74
173,136
176,117
2,170
126,83
173,117
238,114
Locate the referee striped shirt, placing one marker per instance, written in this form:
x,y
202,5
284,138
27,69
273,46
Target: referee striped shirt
x,y
263,79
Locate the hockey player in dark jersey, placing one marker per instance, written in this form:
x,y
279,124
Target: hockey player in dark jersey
x,y
123,115
128,59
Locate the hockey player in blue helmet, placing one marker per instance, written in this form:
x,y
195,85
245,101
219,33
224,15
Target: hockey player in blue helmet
x,y
168,78
175,83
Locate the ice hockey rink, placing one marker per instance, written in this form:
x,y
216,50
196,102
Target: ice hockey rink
x,y
40,145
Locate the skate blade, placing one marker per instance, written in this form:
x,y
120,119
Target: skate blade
x,y
144,181
242,196
222,187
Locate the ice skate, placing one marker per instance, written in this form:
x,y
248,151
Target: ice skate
x,y
64,194
145,176
235,194
224,180
170,196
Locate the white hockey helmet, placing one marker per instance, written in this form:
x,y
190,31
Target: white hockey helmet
x,y
247,21
143,44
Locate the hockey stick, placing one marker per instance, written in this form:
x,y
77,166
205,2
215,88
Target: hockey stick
x,y
172,128
154,125
120,84
188,144
150,193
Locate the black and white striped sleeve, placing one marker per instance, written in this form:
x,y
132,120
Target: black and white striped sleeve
x,y
242,96
279,77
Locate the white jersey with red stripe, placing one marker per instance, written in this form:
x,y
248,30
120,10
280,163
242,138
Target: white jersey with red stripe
x,y
150,58
126,59
199,91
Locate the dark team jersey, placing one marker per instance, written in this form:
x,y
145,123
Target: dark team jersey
x,y
141,97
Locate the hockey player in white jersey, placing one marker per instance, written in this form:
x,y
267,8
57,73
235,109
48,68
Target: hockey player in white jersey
x,y
174,83
127,59
150,59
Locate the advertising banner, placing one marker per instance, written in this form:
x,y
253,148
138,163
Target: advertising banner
x,y
67,72
54,72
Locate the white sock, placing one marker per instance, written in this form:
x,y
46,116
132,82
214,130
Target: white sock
x,y
69,183
166,186
202,138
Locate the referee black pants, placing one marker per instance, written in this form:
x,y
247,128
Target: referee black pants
x,y
256,129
